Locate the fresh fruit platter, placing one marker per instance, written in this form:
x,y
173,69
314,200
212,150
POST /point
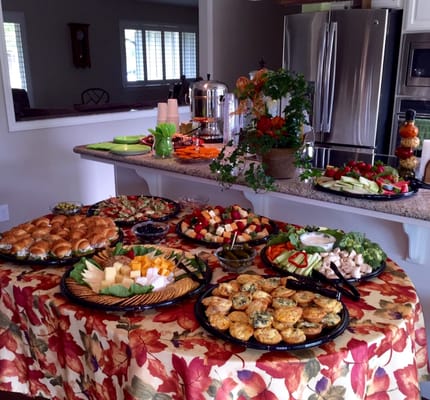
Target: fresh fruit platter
x,y
126,210
355,256
216,225
361,179
135,277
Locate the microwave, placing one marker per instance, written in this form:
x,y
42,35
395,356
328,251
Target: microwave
x,y
414,74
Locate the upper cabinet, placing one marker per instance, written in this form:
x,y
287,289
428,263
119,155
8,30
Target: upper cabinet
x,y
416,16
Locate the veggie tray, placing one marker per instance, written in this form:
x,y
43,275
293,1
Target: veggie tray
x,y
355,257
135,278
212,226
290,320
126,210
58,239
362,180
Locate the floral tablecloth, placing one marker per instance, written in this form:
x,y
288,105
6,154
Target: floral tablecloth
x,y
54,348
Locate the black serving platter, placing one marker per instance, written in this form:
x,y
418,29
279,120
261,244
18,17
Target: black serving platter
x,y
133,218
327,335
120,307
376,272
52,261
253,242
365,196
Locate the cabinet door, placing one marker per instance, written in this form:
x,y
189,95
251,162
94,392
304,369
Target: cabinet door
x,y
416,16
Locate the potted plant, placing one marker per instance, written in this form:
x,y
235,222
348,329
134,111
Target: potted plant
x,y
276,104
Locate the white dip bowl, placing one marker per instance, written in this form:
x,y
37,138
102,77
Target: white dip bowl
x,y
318,239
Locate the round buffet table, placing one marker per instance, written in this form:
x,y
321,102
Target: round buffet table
x,y
54,348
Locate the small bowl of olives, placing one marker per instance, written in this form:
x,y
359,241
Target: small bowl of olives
x,y
236,258
150,231
66,208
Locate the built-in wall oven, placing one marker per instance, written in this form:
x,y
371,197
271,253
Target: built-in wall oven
x,y
413,86
414,74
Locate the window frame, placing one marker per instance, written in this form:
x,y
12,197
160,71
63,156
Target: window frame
x,y
143,26
18,17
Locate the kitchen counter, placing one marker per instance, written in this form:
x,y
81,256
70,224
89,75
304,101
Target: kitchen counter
x,y
412,212
415,207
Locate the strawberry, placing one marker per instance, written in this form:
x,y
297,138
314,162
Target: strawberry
x,y
235,214
240,225
198,227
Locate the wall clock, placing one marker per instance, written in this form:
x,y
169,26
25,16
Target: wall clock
x,y
80,45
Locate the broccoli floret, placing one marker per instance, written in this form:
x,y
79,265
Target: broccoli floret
x,y
373,255
372,252
352,241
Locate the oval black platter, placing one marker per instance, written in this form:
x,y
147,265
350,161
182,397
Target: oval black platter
x,y
365,196
327,335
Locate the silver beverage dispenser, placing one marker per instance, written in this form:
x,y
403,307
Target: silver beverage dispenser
x,y
207,108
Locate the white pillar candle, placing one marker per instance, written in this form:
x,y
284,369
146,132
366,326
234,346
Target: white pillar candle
x,y
425,157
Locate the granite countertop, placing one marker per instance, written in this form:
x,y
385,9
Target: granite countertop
x,y
416,206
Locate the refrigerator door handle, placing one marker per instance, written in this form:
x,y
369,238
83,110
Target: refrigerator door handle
x,y
319,84
329,77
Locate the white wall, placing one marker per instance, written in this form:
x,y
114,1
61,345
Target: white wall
x,y
238,34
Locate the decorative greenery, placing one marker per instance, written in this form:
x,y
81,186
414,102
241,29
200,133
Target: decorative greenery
x,y
269,126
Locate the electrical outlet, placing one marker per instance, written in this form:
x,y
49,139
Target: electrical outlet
x,y
4,212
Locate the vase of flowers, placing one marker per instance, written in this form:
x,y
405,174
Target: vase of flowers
x,y
276,104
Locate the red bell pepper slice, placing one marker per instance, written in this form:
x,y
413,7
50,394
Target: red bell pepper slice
x,y
299,259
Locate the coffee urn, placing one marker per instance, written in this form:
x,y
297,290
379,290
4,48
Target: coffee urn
x,y
207,108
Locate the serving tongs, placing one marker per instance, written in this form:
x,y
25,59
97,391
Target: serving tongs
x,y
318,283
416,184
305,283
194,275
342,285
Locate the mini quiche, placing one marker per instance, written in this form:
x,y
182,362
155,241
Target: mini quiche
x,y
217,225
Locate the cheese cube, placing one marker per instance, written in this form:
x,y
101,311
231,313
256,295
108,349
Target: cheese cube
x,y
135,274
110,273
220,230
117,265
206,214
191,233
243,213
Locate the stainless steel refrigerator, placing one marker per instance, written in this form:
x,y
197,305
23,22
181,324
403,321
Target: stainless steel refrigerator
x,y
349,57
